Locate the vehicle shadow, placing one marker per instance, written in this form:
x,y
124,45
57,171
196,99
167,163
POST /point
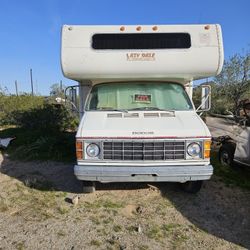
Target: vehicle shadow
x,y
57,176
218,210
42,175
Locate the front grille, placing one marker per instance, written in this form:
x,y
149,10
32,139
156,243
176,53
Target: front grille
x,y
140,150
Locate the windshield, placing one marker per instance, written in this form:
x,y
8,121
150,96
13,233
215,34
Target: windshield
x,y
138,96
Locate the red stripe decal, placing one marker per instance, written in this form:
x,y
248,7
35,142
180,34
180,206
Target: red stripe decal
x,y
157,137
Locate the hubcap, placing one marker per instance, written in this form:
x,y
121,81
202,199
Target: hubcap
x,y
225,158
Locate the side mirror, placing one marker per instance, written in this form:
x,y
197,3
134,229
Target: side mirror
x,y
71,97
205,99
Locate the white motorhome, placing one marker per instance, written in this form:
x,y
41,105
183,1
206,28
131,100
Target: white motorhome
x,y
138,121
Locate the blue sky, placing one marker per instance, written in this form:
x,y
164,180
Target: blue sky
x,y
30,30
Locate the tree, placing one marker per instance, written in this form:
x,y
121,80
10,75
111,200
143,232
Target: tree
x,y
3,91
234,80
57,90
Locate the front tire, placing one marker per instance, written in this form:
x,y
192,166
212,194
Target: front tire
x,y
226,154
192,187
88,187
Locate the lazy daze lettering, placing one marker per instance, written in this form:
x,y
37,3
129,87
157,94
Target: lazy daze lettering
x,y
140,56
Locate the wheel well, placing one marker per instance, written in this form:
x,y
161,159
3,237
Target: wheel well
x,y
229,147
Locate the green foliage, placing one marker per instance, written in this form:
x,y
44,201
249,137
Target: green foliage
x,y
234,80
197,96
34,145
231,86
50,118
57,90
219,103
42,129
232,176
96,243
11,103
108,204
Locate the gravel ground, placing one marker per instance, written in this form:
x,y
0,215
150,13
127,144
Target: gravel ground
x,y
36,213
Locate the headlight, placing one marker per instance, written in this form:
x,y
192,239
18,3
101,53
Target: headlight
x,y
93,150
194,149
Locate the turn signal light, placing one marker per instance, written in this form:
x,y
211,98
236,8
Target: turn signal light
x,y
79,150
207,154
79,155
207,149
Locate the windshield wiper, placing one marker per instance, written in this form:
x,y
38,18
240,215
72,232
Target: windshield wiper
x,y
120,110
108,109
152,108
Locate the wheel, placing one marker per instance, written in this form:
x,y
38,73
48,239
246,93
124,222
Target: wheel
x,y
88,187
226,154
192,186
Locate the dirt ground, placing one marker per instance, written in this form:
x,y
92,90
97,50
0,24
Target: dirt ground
x,y
36,213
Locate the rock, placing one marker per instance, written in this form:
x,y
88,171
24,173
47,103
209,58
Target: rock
x,y
139,229
153,188
75,200
1,158
115,237
139,209
123,247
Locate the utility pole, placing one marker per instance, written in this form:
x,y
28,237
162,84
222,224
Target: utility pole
x,y
16,88
31,81
61,86
36,88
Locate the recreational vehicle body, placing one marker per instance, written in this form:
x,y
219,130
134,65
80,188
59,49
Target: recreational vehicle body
x,y
138,121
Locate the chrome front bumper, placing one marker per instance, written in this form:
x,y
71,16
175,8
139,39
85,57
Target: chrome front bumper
x,y
137,173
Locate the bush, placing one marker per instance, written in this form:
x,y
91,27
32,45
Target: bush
x,y
34,145
11,103
219,104
44,130
50,118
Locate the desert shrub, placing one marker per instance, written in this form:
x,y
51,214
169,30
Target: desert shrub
x,y
49,118
219,103
34,145
43,129
11,103
59,147
220,106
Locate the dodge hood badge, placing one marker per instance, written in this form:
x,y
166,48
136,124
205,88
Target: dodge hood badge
x,y
142,133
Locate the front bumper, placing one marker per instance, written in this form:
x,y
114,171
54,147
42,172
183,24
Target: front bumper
x,y
165,173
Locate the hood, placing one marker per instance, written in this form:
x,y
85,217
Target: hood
x,y
142,124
